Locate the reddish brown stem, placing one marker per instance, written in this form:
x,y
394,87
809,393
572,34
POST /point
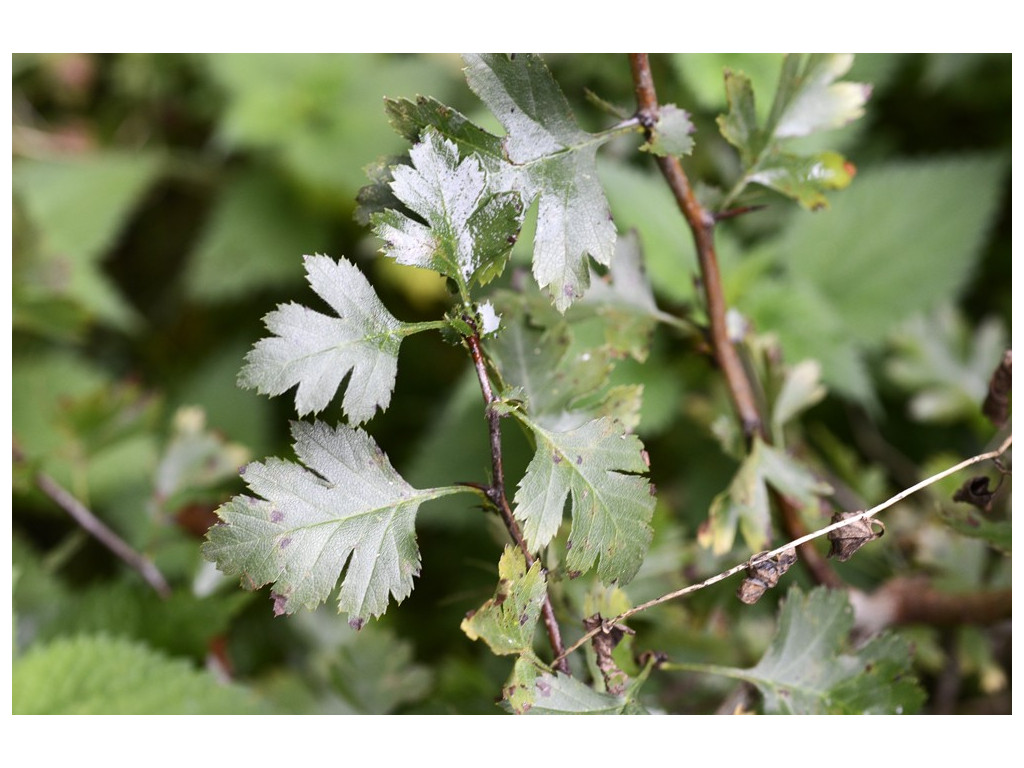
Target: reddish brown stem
x,y
496,494
702,225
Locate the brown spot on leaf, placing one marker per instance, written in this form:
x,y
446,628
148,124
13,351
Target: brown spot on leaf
x,y
543,687
276,516
284,542
280,603
523,618
556,458
579,460
356,623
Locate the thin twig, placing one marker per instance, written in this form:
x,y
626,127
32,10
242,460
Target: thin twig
x,y
98,530
702,226
867,514
496,494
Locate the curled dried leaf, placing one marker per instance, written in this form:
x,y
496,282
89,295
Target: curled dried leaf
x,y
976,492
848,539
997,402
762,575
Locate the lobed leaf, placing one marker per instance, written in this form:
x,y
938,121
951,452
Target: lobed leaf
x,y
554,162
507,621
347,511
807,100
469,231
810,668
563,695
672,132
316,352
744,505
611,507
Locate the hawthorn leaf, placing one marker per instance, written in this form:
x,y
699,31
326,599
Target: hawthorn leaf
x,y
744,505
672,133
563,695
470,231
397,679
600,467
542,362
316,352
800,390
554,161
625,300
346,507
807,100
507,621
811,667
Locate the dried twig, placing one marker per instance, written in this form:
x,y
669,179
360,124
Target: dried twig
x,y
851,520
99,530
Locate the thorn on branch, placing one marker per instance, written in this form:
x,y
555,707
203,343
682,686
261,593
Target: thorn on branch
x,y
734,212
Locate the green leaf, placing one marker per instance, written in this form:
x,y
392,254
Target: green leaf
x,y
554,162
842,286
255,220
672,133
807,100
625,301
107,676
811,668
945,366
77,208
800,390
396,678
470,231
318,115
507,621
316,352
349,501
563,695
599,466
744,505
552,374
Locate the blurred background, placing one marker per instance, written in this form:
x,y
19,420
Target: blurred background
x,y
161,207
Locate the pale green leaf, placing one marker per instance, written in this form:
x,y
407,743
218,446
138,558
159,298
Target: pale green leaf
x,y
469,232
107,676
553,161
807,100
564,695
396,678
801,389
672,133
316,352
945,366
347,511
811,668
507,621
599,466
744,505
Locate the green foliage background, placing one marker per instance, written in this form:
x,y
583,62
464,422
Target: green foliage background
x,y
162,204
